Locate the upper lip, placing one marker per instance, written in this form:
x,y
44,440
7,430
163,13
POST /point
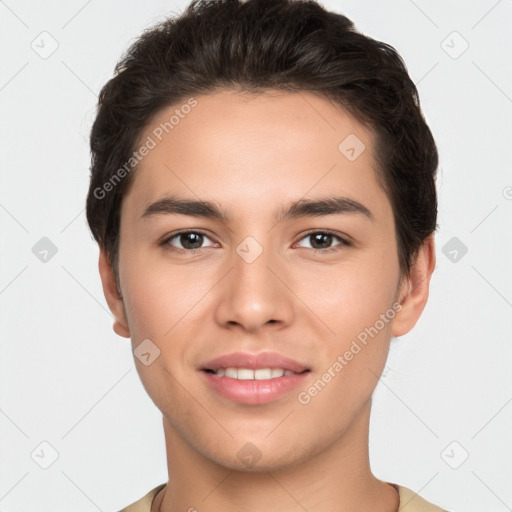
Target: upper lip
x,y
254,361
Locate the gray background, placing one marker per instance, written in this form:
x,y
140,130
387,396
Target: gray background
x,y
68,380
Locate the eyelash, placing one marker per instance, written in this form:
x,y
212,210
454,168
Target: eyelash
x,y
166,244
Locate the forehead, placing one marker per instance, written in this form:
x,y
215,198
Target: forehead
x,y
245,149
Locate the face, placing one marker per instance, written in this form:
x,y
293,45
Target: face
x,y
316,290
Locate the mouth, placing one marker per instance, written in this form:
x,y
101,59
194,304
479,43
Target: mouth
x,y
254,379
256,374
260,364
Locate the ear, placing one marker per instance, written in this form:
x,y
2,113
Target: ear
x,y
413,292
113,296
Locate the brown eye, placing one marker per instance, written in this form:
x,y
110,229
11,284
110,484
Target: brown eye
x,y
189,241
322,241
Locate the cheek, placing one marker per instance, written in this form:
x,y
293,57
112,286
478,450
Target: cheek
x,y
348,298
159,307
358,308
156,297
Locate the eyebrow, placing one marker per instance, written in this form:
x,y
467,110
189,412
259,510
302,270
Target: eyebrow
x,y
301,208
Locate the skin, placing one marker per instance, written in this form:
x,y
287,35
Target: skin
x,y
253,155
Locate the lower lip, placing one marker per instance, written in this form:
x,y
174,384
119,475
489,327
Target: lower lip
x,y
254,392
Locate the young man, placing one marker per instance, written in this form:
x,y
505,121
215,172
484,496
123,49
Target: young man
x,y
263,195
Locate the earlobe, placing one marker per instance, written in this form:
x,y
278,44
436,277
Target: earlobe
x,y
414,290
113,296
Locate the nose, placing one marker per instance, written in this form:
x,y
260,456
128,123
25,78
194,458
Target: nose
x,y
255,292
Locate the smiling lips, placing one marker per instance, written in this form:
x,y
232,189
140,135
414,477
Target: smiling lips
x,y
254,379
249,374
254,361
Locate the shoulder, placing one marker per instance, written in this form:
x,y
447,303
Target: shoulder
x,y
413,502
144,504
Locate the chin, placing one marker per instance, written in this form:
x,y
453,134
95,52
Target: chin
x,y
258,456
263,465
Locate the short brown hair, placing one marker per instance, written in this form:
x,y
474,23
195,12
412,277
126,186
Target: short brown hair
x,y
251,46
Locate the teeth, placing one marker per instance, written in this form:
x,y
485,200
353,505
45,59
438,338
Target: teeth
x,y
248,374
266,373
232,373
276,372
244,374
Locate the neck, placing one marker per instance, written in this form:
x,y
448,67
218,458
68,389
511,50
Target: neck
x,y
338,479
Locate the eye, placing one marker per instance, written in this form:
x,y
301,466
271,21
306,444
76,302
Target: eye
x,y
324,239
191,241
